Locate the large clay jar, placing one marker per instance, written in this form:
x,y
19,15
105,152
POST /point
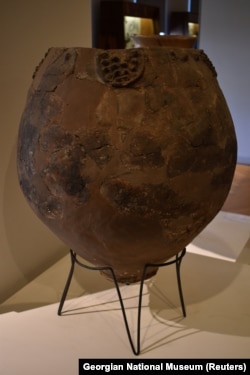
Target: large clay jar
x,y
126,155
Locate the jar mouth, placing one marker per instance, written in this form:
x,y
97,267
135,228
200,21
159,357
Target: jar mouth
x,y
168,36
184,41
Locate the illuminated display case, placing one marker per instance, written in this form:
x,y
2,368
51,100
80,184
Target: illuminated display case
x,y
120,19
184,23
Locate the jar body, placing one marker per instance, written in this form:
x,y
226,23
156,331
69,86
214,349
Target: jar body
x,y
126,155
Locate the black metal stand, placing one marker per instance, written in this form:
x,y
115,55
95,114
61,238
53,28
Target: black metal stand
x,y
176,261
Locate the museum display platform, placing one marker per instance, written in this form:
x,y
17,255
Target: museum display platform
x,y
215,279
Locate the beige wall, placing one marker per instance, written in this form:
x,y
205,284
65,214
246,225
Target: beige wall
x,y
224,36
28,29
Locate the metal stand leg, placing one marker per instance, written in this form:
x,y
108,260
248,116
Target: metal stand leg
x,y
178,266
68,282
177,261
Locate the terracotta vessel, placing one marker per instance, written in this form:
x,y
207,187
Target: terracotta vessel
x,y
179,41
126,155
